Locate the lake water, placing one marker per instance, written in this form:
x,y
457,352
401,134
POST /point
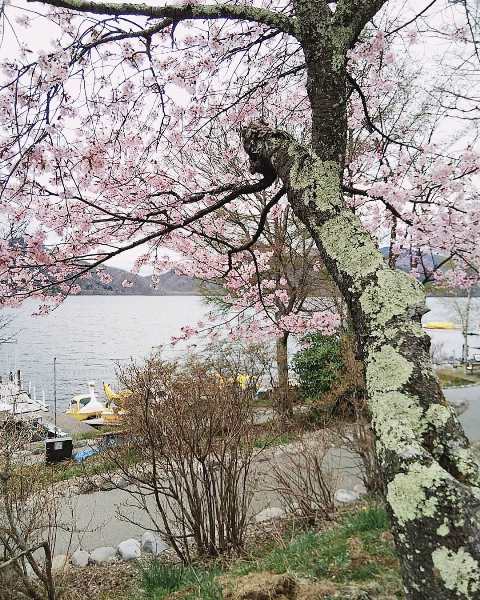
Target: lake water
x,y
90,335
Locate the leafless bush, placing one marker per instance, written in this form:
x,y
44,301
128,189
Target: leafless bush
x,y
191,433
356,436
305,481
438,353
28,511
349,423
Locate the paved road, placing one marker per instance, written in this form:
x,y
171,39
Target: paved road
x,y
470,419
97,514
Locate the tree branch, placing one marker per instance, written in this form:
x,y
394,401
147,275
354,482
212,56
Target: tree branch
x,y
353,15
391,208
370,124
417,16
239,12
261,224
429,276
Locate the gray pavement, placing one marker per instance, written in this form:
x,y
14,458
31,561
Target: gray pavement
x,y
97,521
96,515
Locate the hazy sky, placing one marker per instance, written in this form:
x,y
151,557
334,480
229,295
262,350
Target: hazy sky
x,y
38,38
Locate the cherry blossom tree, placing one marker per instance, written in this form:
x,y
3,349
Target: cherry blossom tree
x,y
91,130
279,286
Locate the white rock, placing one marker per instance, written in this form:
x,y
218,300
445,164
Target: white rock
x,y
80,558
105,554
344,496
129,549
272,512
59,563
121,483
360,489
153,544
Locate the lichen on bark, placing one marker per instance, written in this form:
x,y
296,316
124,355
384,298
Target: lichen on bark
x,y
397,419
392,294
459,571
411,495
387,370
344,240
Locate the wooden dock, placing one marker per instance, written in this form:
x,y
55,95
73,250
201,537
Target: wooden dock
x,y
66,423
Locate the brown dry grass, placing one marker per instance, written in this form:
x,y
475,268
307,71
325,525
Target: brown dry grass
x,y
98,582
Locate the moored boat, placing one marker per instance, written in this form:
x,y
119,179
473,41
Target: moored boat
x,y
115,409
440,325
14,400
85,407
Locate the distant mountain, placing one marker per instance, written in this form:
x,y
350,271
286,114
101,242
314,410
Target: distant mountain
x,y
429,262
169,284
403,261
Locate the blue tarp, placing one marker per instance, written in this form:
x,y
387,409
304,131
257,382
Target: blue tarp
x,y
81,455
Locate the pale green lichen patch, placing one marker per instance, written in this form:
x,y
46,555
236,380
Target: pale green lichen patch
x,y
341,38
346,241
459,571
443,530
387,370
466,463
320,179
394,294
412,495
410,328
398,422
438,415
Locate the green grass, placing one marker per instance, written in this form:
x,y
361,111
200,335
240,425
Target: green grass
x,y
354,552
452,378
372,519
94,465
159,579
268,440
87,435
90,467
329,554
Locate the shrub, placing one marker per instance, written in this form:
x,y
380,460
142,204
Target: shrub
x,y
318,364
29,506
305,481
194,433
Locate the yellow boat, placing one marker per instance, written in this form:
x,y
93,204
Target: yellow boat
x,y
242,380
440,325
117,398
115,409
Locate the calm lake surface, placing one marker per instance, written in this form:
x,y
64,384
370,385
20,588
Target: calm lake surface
x,y
90,335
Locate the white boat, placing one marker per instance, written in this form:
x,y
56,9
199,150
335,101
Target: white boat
x,y
86,406
14,400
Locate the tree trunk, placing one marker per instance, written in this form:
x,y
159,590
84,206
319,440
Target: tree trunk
x,y
430,476
283,400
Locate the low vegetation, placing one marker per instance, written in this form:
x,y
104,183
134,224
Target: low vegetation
x,y
355,554
318,364
457,377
